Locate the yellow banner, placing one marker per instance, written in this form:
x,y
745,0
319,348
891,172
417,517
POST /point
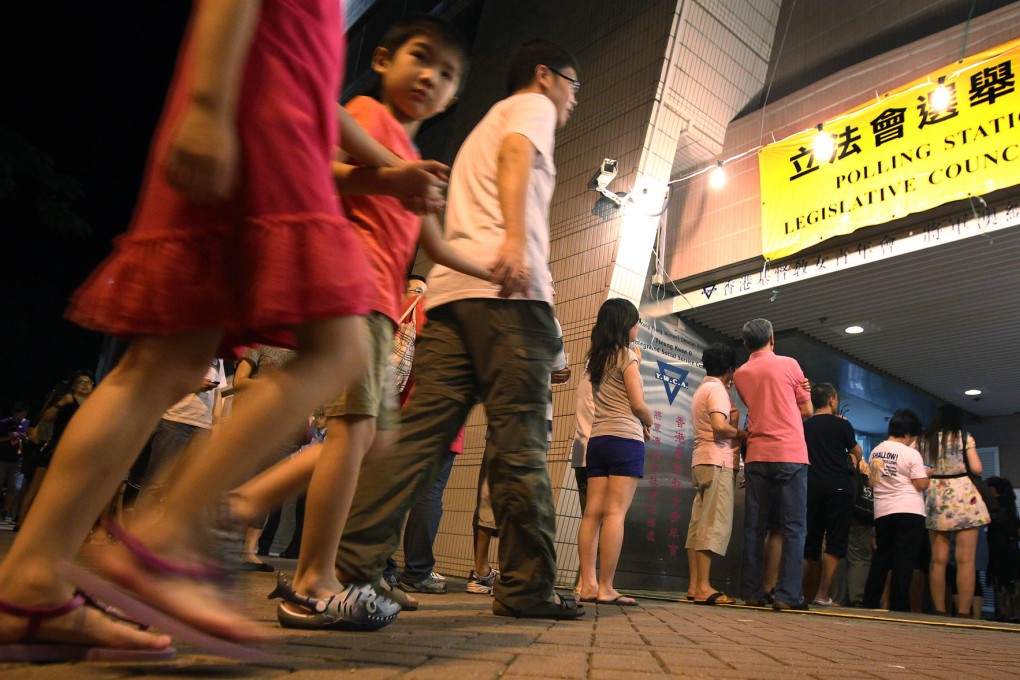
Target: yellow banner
x,y
898,156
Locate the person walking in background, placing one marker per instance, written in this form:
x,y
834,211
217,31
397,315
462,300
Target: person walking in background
x,y
616,450
713,465
834,454
777,397
56,416
898,476
954,509
189,419
13,435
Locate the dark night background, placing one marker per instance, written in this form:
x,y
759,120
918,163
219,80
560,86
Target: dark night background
x,y
83,86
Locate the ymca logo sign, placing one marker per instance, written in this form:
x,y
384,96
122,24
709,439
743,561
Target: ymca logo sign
x,y
673,379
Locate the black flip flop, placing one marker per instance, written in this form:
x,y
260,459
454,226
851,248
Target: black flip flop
x,y
714,598
618,600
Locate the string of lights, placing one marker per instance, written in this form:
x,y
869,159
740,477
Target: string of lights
x,y
824,143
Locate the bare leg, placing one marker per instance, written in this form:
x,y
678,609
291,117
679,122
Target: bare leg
x,y
482,540
966,547
93,456
704,586
269,490
692,567
620,493
937,575
588,535
329,500
829,565
332,354
251,544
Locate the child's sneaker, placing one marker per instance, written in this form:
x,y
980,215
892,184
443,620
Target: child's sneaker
x,y
482,585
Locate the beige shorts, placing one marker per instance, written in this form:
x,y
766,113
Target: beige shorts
x,y
712,513
484,516
375,394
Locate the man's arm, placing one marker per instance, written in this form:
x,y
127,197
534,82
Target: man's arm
x,y
513,172
858,453
721,427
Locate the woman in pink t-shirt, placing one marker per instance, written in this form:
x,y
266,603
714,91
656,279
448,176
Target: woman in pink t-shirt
x,y
898,476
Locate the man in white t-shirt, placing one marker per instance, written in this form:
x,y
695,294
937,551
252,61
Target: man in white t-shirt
x,y
898,476
489,342
180,423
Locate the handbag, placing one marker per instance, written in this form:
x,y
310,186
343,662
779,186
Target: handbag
x,y
402,354
864,499
988,494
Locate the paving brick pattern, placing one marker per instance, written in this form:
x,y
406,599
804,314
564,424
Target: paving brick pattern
x,y
456,637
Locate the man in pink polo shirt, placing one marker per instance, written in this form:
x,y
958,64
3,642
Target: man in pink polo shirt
x,y
774,389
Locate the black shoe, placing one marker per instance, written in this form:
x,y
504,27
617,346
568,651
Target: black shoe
x,y
564,607
262,552
779,606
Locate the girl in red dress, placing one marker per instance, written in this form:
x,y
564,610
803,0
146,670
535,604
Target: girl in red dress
x,y
237,238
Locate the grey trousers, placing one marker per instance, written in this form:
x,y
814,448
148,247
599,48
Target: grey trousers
x,y
499,352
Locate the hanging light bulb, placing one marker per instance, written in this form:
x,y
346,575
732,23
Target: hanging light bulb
x,y
940,97
823,145
717,178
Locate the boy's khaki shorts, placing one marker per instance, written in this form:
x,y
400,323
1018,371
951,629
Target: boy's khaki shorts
x,y
375,394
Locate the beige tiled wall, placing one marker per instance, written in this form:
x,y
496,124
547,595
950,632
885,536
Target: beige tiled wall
x,y
621,49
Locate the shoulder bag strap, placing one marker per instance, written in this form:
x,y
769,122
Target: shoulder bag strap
x,y
409,310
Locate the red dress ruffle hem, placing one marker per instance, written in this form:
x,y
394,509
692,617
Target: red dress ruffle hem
x,y
279,252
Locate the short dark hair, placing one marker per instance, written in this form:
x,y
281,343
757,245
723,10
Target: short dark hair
x,y
531,54
821,393
406,28
905,423
756,333
718,358
415,277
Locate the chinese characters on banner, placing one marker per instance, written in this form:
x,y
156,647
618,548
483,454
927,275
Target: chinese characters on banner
x,y
898,156
657,522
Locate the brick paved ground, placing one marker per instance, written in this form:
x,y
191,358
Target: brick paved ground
x,y
455,637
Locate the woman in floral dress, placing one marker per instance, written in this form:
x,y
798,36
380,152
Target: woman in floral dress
x,y
954,508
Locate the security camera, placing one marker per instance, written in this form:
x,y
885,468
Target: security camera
x,y
606,173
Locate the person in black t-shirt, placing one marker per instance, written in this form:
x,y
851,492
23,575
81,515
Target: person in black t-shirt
x,y
834,454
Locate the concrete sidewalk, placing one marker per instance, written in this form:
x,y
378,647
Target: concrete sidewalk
x,y
455,636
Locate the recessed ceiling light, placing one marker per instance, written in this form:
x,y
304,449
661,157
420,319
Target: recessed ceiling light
x,y
853,330
972,393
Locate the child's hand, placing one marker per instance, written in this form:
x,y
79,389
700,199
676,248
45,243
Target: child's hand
x,y
419,185
202,160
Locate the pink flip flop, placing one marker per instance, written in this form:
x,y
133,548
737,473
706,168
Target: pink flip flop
x,y
30,650
130,604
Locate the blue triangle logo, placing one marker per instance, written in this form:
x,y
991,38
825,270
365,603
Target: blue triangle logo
x,y
673,379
